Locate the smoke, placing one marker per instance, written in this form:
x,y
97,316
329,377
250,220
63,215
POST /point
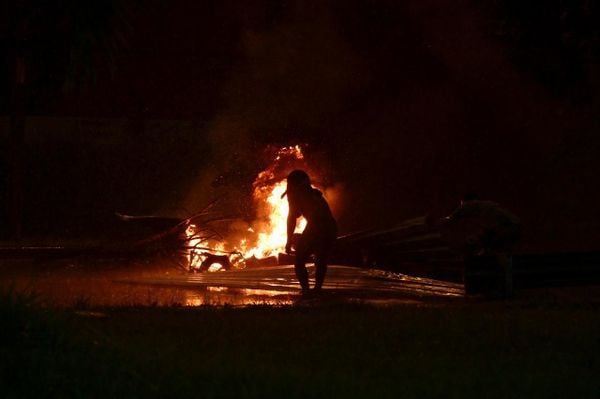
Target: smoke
x,y
403,108
291,76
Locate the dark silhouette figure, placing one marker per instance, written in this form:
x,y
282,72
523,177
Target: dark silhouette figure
x,y
319,235
483,228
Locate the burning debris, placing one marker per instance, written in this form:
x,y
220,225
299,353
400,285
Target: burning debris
x,y
263,241
198,242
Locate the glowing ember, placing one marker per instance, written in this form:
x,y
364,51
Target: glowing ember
x,y
294,151
201,244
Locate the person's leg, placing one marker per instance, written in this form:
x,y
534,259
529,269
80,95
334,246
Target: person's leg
x,y
505,263
301,273
302,254
503,244
320,270
321,257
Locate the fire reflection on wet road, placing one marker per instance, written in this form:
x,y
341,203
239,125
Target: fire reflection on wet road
x,y
85,285
278,285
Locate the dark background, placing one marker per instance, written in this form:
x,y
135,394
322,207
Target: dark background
x,y
156,107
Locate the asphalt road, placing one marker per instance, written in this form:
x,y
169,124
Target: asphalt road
x,y
87,283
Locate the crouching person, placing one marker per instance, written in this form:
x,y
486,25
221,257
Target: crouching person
x,y
484,230
319,235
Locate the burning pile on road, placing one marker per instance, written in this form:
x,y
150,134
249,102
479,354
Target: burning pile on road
x,y
265,238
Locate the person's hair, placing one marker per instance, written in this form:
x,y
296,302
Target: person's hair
x,y
298,178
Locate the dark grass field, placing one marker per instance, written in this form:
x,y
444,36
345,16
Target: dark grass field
x,y
543,345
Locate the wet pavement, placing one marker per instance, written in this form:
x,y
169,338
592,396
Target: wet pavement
x,y
90,284
278,284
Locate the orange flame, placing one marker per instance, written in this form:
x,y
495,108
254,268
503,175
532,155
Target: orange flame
x,y
272,237
271,227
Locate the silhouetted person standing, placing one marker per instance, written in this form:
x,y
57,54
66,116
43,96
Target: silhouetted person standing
x,y
319,235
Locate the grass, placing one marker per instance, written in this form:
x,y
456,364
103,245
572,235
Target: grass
x,y
496,349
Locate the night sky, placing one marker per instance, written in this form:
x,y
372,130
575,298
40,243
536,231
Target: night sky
x,y
154,107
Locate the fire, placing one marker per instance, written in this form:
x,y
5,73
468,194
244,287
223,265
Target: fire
x,y
272,239
268,234
201,244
